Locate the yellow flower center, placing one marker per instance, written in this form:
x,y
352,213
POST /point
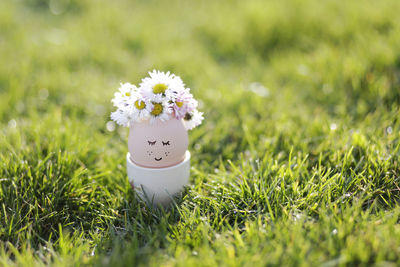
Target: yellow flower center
x,y
157,110
159,88
179,104
128,94
140,104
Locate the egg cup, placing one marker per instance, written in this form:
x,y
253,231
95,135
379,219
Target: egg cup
x,y
158,186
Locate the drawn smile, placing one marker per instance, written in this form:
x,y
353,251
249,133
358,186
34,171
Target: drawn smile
x,y
158,159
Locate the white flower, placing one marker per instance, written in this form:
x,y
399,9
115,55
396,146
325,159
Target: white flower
x,y
120,117
161,96
140,110
122,97
160,86
137,107
160,110
193,119
183,103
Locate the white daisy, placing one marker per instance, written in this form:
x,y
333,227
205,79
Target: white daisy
x,y
121,117
183,103
140,110
122,97
160,86
160,96
193,119
160,110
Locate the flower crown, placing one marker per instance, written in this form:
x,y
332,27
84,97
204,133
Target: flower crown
x,y
162,96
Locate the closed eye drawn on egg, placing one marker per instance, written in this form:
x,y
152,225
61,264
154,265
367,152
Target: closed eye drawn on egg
x,y
165,143
152,143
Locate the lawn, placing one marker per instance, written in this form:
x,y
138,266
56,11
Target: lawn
x,y
297,162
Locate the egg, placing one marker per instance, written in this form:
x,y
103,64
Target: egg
x,y
158,144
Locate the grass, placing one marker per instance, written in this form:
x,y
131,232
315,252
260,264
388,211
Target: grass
x,y
297,161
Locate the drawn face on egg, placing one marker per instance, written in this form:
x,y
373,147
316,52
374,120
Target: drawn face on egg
x,y
164,144
158,144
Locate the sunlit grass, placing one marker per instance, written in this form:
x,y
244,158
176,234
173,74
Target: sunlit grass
x,y
296,163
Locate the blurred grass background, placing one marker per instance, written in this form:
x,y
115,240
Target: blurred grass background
x,y
296,163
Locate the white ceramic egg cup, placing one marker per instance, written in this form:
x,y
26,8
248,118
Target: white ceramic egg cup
x,y
158,186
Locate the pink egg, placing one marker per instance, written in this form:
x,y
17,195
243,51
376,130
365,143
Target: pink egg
x,y
158,144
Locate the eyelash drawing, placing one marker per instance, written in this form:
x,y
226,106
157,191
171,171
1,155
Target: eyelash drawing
x,y
151,143
165,143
